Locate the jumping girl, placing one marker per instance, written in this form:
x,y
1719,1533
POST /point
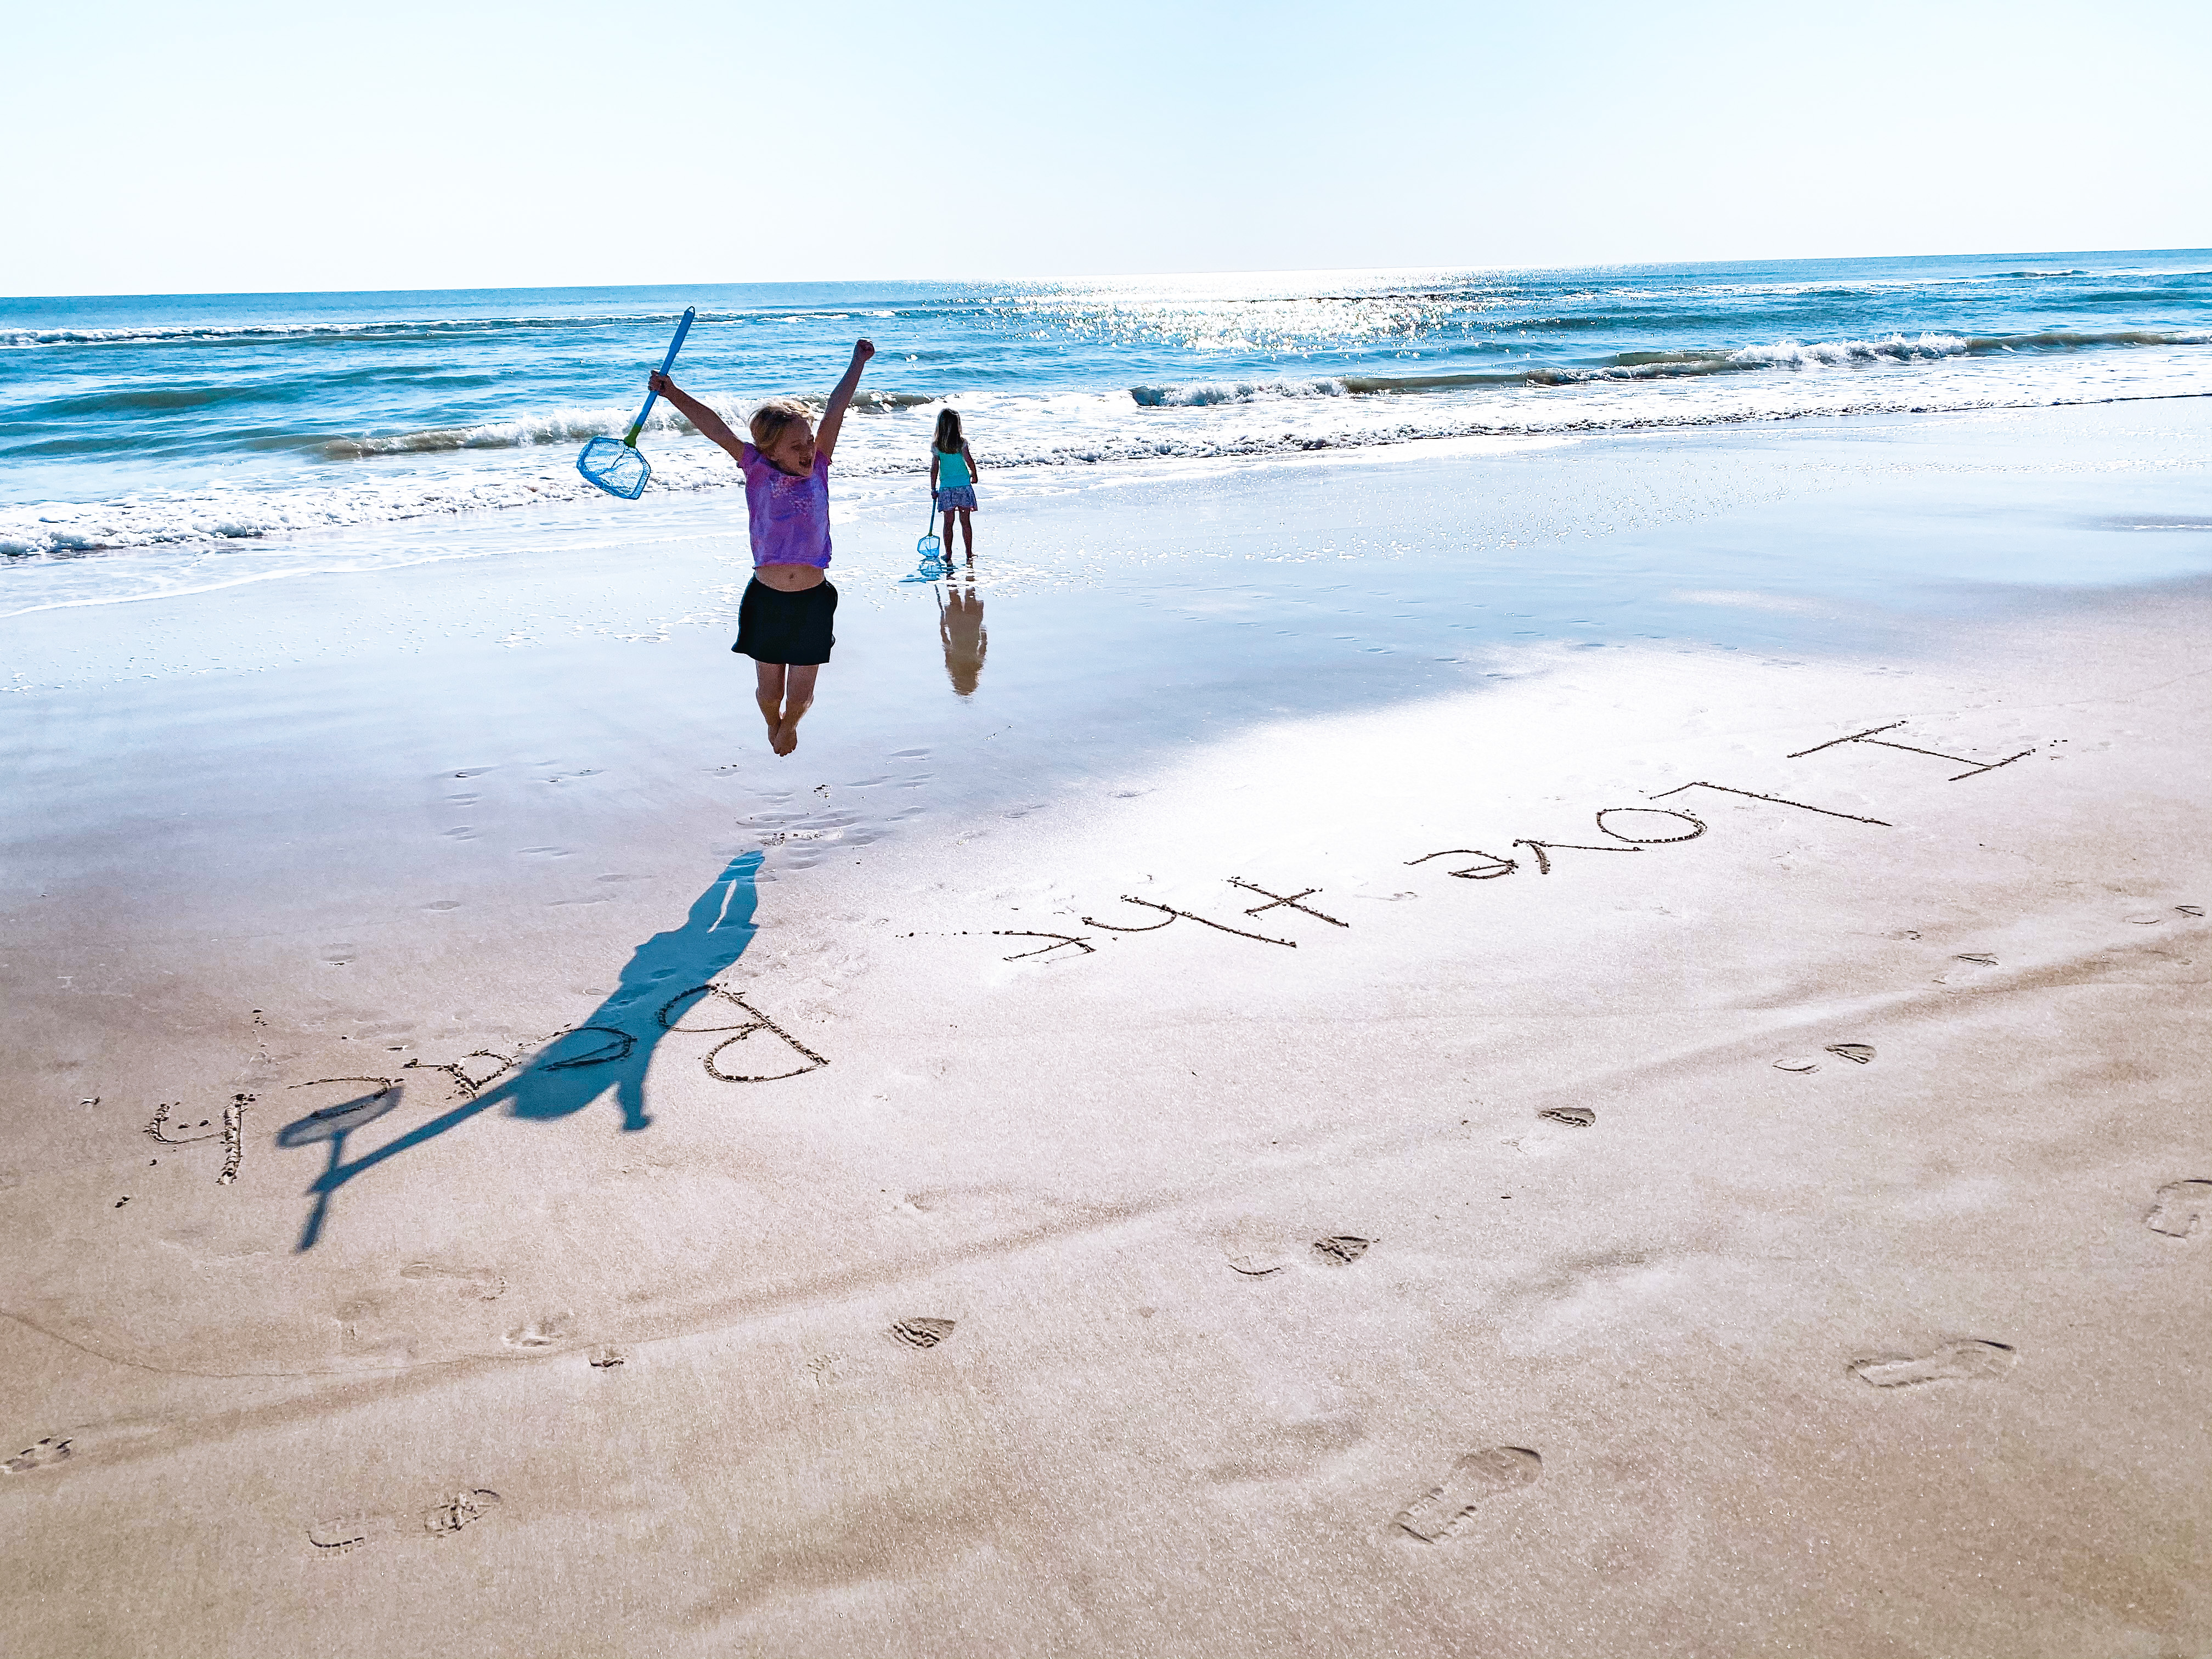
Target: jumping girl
x,y
784,621
952,478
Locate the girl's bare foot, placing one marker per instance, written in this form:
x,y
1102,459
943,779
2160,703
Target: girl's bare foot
x,y
785,738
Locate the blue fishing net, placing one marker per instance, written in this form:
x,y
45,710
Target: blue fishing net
x,y
614,466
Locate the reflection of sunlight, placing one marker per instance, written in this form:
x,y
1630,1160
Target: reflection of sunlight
x,y
605,1053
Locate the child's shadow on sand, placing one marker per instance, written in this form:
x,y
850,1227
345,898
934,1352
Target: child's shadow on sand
x,y
609,1051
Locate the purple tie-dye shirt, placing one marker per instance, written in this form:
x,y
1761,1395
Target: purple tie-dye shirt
x,y
790,517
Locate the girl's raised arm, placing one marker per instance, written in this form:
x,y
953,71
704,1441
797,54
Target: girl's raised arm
x,y
833,418
710,424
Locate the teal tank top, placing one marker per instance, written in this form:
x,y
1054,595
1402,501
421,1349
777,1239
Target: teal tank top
x,y
952,471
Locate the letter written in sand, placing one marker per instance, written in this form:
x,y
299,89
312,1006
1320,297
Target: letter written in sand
x,y
1174,916
1872,738
759,1022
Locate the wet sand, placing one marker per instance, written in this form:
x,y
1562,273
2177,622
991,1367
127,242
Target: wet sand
x,y
1543,1050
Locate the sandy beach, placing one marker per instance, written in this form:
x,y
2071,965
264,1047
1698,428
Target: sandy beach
x,y
1511,1046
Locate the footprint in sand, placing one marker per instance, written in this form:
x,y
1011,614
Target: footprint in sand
x,y
922,1332
1980,958
479,1283
1955,1361
539,1332
2190,909
1797,1063
605,1359
2181,1205
1580,1116
463,1509
1340,1249
1257,1247
53,1449
1860,1053
347,1532
1444,1509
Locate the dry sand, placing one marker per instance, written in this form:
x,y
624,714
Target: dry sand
x,y
1584,1163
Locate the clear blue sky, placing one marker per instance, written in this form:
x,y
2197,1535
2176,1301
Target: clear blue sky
x,y
166,149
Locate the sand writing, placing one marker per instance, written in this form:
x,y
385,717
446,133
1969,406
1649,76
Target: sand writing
x,y
1175,915
1627,830
1609,819
1275,901
232,1134
464,1080
1064,939
553,1078
1753,794
604,1056
1290,899
1494,866
1870,737
759,1022
1060,941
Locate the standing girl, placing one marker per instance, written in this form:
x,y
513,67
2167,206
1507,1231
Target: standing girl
x,y
952,477
784,619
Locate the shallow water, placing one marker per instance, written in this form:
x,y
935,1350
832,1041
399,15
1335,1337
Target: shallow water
x,y
183,423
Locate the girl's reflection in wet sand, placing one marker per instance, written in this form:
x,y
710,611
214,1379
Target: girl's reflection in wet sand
x,y
960,630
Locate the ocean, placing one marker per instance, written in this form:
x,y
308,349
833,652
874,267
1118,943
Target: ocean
x,y
140,424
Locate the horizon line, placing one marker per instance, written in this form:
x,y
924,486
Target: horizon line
x,y
1109,277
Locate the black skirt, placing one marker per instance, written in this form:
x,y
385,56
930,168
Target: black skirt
x,y
774,626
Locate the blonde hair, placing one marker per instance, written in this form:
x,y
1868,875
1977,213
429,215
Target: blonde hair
x,y
770,419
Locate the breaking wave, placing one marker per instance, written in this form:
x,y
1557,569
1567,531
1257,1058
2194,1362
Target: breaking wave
x,y
1206,393
574,426
1676,365
1098,429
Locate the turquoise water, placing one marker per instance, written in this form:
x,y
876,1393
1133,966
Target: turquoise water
x,y
163,421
